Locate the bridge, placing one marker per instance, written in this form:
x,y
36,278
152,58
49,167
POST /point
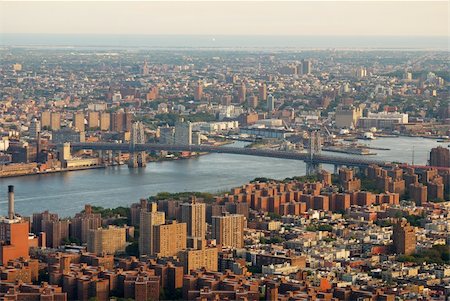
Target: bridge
x,y
312,159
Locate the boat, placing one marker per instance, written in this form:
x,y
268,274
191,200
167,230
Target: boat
x,y
368,136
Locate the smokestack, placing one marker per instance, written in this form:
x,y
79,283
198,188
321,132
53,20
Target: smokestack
x,y
11,201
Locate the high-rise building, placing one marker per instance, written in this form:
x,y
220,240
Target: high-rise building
x,y
13,233
55,121
262,89
55,229
252,101
404,238
183,132
105,121
198,91
226,100
109,240
83,222
194,215
361,72
145,68
167,135
93,119
117,121
128,121
242,92
306,67
78,121
34,129
148,219
228,230
169,239
46,119
440,157
418,193
270,103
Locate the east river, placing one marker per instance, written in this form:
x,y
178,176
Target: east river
x,y
66,193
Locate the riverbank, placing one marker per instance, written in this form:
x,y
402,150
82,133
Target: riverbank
x,y
52,171
32,169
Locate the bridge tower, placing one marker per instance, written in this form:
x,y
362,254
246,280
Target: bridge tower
x,y
137,158
315,147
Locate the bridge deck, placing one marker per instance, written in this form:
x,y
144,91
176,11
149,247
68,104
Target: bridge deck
x,y
318,159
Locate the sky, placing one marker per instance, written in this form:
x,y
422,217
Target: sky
x,y
318,18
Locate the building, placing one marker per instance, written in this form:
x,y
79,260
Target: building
x,y
361,72
418,193
17,67
142,287
194,215
145,69
117,121
46,119
148,219
262,91
382,120
83,222
34,129
306,67
228,230
252,101
105,121
67,135
183,132
153,93
169,239
347,117
242,92
205,257
13,233
78,121
55,121
198,91
270,103
55,230
93,120
440,157
110,240
121,121
404,238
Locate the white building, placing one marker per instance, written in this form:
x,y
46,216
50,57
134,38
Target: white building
x,y
279,269
382,120
183,132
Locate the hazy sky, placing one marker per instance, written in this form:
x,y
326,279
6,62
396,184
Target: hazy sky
x,y
428,18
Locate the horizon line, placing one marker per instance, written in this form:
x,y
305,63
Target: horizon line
x,y
222,34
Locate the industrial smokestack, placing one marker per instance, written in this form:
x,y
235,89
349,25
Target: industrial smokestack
x,y
11,201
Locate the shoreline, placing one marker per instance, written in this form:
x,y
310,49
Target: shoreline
x,y
53,171
96,167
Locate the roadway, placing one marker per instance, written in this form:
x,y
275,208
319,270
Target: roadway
x,y
317,159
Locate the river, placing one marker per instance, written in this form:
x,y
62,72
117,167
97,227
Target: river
x,y
66,193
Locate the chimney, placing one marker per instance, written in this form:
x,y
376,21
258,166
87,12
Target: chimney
x,y
11,201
